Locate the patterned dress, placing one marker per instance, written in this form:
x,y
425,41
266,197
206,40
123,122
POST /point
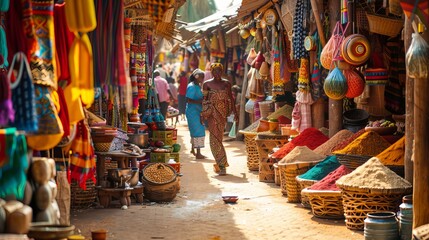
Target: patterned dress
x,y
221,108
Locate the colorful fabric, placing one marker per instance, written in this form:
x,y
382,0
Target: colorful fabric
x,y
221,105
43,63
193,111
82,159
299,30
301,115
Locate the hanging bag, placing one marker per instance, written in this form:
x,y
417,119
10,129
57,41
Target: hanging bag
x,y
206,111
331,49
23,95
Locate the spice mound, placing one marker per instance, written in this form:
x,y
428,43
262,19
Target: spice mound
x,y
393,155
348,140
368,144
321,169
325,148
375,176
310,137
301,154
328,182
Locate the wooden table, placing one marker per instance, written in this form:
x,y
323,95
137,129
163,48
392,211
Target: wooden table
x,y
123,194
124,161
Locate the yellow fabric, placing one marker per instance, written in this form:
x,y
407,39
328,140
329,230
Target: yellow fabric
x,y
80,15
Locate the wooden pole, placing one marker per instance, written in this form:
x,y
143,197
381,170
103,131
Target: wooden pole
x,y
409,110
242,113
335,106
318,107
421,150
317,17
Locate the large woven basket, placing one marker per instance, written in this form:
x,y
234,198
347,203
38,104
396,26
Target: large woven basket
x,y
265,147
304,183
160,181
82,199
276,174
357,203
288,184
325,203
352,161
251,150
384,25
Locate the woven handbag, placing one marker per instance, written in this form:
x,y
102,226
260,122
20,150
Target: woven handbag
x,y
23,96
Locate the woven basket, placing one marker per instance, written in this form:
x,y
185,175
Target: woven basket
x,y
161,182
357,203
288,184
384,25
352,161
82,199
421,233
304,183
276,174
265,147
325,204
252,151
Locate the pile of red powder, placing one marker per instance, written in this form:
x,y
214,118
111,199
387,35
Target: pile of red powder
x,y
328,182
310,137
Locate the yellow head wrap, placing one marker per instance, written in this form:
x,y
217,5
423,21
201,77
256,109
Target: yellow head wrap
x,y
216,65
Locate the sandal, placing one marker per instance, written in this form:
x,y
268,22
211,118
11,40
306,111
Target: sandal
x,y
201,157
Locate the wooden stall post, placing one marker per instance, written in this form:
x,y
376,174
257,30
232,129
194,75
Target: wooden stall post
x,y
421,150
409,110
335,106
242,113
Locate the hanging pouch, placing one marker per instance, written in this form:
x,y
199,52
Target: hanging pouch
x,y
50,130
23,95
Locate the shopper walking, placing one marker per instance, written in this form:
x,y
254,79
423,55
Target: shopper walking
x,y
194,98
217,106
164,93
181,96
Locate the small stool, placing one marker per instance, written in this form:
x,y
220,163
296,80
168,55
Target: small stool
x,y
138,193
105,195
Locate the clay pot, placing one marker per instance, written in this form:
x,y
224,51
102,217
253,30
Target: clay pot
x,y
100,234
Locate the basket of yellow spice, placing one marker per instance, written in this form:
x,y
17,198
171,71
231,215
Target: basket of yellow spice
x,y
370,188
393,157
361,149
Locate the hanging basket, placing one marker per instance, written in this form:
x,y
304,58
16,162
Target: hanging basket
x,y
384,25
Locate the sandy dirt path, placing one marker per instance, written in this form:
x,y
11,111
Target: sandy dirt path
x,y
198,212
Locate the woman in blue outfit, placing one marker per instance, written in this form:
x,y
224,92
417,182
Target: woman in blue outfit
x,y
194,99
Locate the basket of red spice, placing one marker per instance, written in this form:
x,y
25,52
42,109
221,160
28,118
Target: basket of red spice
x,y
325,197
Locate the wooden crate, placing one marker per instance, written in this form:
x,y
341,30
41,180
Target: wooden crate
x,y
265,147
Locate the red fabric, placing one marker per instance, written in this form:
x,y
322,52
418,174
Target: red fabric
x,y
121,48
63,41
20,29
310,137
183,84
63,114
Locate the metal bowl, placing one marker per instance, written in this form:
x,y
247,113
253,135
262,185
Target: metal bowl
x,y
140,140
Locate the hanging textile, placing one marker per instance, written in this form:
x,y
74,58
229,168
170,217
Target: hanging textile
x,y
301,114
300,30
82,158
43,62
394,94
20,36
63,42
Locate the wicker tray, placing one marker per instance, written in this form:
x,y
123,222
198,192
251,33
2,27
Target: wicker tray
x,y
304,183
325,204
352,161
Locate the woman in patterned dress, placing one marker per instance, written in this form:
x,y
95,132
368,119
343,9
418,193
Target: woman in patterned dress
x,y
194,98
218,96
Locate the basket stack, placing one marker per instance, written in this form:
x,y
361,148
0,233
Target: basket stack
x,y
325,203
288,184
251,148
369,188
265,143
304,183
161,182
82,199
